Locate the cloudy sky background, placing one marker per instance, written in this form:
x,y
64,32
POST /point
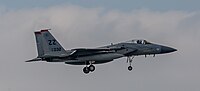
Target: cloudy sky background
x,y
87,23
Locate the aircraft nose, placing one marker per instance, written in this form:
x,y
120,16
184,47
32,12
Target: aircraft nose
x,y
165,49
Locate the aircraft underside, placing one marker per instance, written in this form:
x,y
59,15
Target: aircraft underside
x,y
96,59
77,62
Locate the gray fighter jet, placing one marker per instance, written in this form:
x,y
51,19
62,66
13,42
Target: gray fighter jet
x,y
50,50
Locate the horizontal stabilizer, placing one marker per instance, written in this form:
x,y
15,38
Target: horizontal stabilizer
x,y
34,60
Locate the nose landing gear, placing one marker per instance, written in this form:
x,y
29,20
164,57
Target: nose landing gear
x,y
129,60
130,68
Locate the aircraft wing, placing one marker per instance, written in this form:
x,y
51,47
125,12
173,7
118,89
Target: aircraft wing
x,y
129,51
86,51
98,49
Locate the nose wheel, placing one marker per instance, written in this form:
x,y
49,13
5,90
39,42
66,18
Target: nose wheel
x,y
129,60
130,68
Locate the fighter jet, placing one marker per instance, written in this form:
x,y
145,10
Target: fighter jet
x,y
50,50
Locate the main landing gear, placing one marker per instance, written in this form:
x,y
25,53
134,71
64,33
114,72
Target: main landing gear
x,y
88,69
129,60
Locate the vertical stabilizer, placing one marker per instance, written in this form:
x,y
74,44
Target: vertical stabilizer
x,y
38,37
50,45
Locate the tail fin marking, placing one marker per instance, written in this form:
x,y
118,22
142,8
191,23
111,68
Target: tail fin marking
x,y
50,45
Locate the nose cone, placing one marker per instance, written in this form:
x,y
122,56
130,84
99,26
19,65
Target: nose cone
x,y
165,49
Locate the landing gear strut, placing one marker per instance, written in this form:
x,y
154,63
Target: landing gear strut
x,y
129,60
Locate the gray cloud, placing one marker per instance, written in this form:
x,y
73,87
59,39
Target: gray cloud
x,y
76,26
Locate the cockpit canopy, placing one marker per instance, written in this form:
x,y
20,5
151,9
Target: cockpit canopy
x,y
138,41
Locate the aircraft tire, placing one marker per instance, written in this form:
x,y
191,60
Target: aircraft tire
x,y
91,68
86,70
130,68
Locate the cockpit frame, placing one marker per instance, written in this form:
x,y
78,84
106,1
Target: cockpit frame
x,y
138,42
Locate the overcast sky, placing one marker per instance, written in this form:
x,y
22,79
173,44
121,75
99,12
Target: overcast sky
x,y
92,23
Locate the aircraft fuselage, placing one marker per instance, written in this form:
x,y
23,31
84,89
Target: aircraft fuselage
x,y
50,50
